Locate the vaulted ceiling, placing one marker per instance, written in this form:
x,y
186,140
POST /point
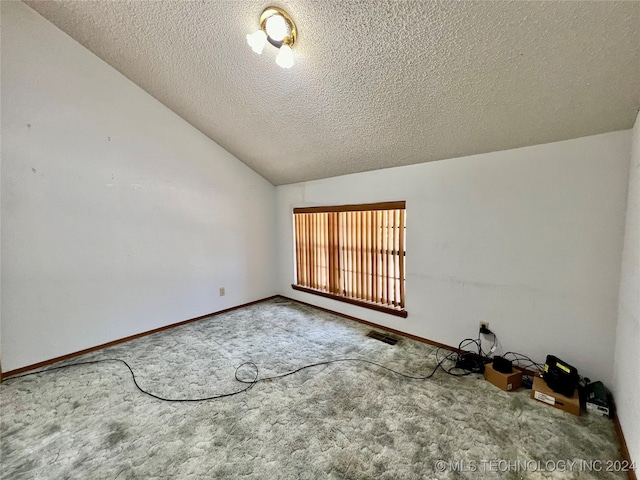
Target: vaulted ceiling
x,y
376,83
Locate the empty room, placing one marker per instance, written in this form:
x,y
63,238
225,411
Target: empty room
x,y
359,239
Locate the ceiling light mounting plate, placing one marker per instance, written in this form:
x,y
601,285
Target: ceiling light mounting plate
x,y
290,39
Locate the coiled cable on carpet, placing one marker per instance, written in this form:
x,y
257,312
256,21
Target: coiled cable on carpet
x,y
256,378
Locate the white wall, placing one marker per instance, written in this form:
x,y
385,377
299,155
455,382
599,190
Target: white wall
x,y
527,239
117,216
626,382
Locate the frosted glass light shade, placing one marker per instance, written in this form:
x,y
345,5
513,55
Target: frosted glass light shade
x,y
285,57
276,27
257,41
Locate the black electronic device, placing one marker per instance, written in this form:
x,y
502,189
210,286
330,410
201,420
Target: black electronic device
x,y
472,362
502,365
599,400
561,377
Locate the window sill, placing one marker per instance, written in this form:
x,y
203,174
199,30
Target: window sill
x,y
359,303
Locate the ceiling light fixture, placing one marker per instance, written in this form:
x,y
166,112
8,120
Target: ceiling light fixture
x,y
277,28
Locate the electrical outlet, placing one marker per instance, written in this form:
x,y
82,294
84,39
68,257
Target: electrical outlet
x,y
483,324
222,291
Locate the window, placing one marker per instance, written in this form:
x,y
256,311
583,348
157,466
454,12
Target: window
x,y
353,253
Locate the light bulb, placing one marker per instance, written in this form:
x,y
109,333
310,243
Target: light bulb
x,y
285,57
276,27
257,41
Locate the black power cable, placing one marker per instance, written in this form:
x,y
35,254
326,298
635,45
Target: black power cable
x,y
135,381
256,379
456,356
485,331
520,357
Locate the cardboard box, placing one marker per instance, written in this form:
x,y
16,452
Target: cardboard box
x,y
541,392
504,381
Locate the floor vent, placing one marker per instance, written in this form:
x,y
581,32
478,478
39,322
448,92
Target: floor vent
x,y
382,337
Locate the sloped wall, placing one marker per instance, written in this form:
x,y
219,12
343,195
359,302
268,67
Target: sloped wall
x,y
118,217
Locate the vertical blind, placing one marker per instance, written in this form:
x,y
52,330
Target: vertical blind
x,y
353,251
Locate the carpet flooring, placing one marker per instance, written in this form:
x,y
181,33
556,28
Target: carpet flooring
x,y
345,420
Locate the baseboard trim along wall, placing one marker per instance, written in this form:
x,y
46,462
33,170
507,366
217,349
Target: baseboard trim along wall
x,y
45,363
391,330
626,456
371,324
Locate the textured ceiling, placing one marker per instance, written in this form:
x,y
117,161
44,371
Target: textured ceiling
x,y
376,83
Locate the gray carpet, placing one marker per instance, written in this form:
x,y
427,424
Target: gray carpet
x,y
341,421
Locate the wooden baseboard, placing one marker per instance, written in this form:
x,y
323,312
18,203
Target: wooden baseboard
x,y
623,447
45,363
396,332
371,324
